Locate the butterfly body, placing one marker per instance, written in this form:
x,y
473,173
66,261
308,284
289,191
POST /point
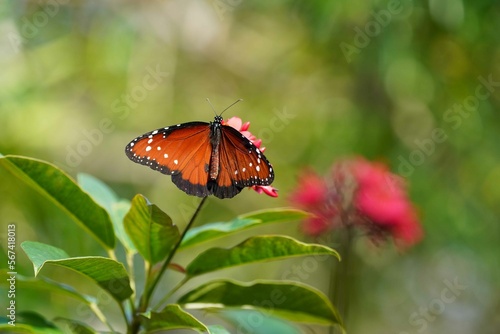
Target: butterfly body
x,y
203,158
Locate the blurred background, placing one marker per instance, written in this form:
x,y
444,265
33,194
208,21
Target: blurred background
x,y
415,85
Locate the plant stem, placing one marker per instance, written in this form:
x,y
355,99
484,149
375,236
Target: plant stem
x,y
112,254
130,263
342,276
148,291
97,311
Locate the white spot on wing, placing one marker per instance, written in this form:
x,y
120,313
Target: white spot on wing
x,y
257,168
244,169
235,172
165,155
150,141
176,161
154,132
148,148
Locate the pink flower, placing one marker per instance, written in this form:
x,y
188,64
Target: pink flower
x,y
367,193
381,196
268,190
312,195
312,190
238,124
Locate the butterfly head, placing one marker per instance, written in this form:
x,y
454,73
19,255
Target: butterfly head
x,y
218,119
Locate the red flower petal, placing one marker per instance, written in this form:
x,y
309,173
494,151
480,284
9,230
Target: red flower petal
x,y
245,126
365,193
268,190
235,122
311,191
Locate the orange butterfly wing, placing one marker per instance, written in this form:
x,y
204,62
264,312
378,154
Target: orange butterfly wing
x,y
182,151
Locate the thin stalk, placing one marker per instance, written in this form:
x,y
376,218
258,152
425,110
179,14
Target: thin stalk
x,y
129,317
340,285
135,323
149,291
148,270
130,264
112,254
97,311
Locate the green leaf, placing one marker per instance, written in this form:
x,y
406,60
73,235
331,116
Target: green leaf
x,y
62,190
255,322
43,284
171,317
276,215
118,212
33,319
254,249
217,329
28,322
150,229
27,329
107,273
290,300
101,193
212,231
107,198
75,327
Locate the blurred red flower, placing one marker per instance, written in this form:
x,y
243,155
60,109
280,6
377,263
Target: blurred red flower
x,y
312,195
238,124
359,193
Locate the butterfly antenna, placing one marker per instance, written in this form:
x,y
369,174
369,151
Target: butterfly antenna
x,y
212,106
232,104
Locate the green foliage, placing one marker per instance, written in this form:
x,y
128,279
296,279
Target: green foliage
x,y
75,327
151,230
289,300
115,206
107,273
254,249
43,285
172,317
62,190
146,230
212,231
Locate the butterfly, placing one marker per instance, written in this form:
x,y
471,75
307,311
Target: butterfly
x,y
203,158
